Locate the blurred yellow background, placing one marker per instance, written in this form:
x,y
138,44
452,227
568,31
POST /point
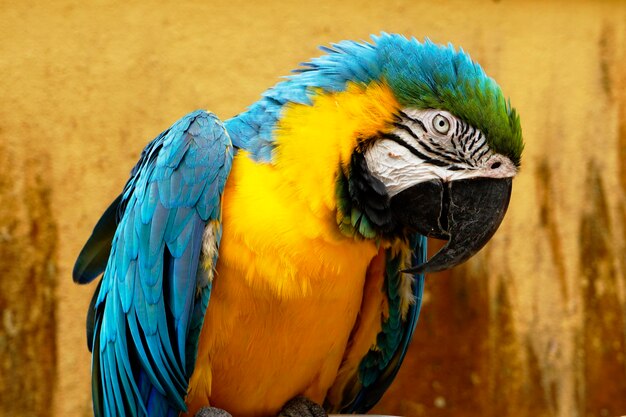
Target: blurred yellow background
x,y
535,325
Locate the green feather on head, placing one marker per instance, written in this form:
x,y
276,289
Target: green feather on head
x,y
429,76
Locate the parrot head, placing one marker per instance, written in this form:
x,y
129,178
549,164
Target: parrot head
x,y
428,144
444,166
443,180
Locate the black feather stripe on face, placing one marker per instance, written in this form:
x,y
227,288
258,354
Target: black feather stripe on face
x,y
368,193
359,191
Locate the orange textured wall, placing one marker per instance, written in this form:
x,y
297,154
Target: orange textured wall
x,y
535,325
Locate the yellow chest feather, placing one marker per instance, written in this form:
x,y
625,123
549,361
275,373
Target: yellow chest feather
x,y
288,285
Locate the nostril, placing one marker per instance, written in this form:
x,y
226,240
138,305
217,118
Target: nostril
x,y
496,165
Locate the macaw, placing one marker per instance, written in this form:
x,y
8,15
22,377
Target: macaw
x,y
277,259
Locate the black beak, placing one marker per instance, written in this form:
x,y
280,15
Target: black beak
x,y
464,212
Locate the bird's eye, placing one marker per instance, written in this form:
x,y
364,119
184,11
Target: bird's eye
x,y
441,124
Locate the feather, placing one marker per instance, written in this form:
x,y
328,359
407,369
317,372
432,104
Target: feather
x,y
94,256
421,75
141,314
380,366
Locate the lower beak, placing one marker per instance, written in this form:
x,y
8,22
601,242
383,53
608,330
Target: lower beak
x,y
464,212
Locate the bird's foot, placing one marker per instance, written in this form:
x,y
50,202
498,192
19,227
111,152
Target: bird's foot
x,y
301,406
212,412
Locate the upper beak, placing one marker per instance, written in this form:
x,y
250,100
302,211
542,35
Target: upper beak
x,y
465,212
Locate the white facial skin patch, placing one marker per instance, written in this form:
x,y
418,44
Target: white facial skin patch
x,y
433,145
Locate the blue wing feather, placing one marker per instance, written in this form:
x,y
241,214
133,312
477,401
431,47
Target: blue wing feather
x,y
380,366
94,256
150,305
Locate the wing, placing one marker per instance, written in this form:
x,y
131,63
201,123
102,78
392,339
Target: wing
x,y
149,307
363,379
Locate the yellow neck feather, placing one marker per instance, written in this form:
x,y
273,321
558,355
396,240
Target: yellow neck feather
x,y
313,141
280,226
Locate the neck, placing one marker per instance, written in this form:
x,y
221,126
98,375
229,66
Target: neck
x,y
311,145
